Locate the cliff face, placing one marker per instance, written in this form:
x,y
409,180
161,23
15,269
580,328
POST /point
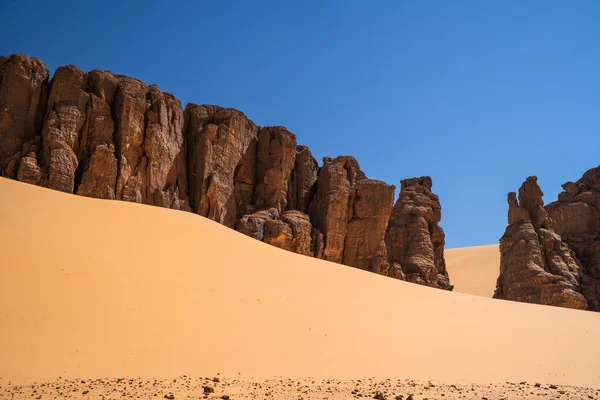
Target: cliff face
x,y
414,240
108,136
576,218
535,265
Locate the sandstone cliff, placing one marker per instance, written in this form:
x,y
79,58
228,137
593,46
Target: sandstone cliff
x,y
414,240
108,136
576,218
535,265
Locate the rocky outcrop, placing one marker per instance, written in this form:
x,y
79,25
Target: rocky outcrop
x,y
221,162
275,156
23,96
369,210
414,240
108,136
329,209
576,218
535,265
62,130
303,182
290,231
94,134
149,143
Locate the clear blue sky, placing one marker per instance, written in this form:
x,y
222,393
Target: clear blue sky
x,y
476,94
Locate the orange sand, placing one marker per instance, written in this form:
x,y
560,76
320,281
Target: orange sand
x,y
93,289
474,270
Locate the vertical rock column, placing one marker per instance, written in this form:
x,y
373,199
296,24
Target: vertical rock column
x,y
23,96
275,157
369,210
330,208
414,240
221,162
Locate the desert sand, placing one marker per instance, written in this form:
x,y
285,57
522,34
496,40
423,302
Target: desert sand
x,y
99,290
474,270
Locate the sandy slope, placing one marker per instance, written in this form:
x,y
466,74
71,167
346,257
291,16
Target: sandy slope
x,y
474,270
95,289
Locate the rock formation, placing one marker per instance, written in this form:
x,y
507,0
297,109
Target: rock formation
x,y
369,210
275,157
23,97
414,240
535,265
329,209
290,231
68,140
303,182
576,218
221,155
108,136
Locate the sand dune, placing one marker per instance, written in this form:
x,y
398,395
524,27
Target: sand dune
x,y
474,270
94,289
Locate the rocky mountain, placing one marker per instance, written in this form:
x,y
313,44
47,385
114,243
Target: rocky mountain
x,y
109,136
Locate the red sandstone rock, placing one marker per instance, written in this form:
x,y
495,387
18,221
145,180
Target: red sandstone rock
x,y
303,181
164,149
535,265
329,210
130,110
291,231
113,137
414,240
23,95
576,218
100,175
64,121
370,206
221,162
29,170
276,153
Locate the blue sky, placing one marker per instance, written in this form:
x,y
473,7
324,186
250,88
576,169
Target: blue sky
x,y
477,94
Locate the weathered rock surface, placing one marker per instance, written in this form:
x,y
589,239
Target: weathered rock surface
x,y
369,210
23,96
291,230
109,136
329,209
535,265
414,240
275,156
576,218
303,181
221,162
149,142
63,123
